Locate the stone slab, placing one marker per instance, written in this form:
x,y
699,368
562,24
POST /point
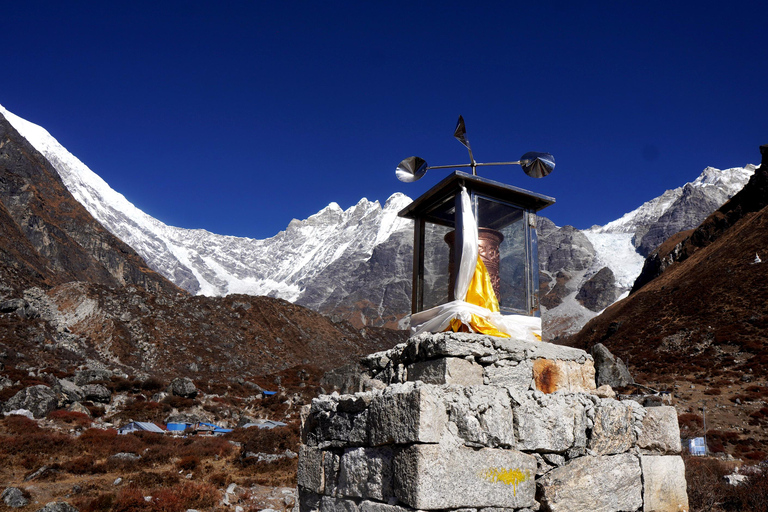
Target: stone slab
x,y
480,415
558,375
613,431
552,424
330,504
407,413
431,477
374,506
599,484
518,376
310,471
338,429
432,345
665,485
447,370
660,431
366,473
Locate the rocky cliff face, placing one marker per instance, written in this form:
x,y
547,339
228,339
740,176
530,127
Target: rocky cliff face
x,y
50,236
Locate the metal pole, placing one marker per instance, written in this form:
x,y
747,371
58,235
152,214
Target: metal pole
x,y
476,164
704,413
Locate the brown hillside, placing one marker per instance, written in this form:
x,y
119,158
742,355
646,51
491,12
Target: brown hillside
x,y
700,327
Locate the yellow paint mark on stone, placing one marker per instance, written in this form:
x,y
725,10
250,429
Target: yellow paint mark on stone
x,y
513,477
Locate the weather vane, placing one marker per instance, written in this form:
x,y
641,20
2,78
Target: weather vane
x,y
535,165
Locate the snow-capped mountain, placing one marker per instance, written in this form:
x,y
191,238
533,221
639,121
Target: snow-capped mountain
x,y
286,265
356,263
573,262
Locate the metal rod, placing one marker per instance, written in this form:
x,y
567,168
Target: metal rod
x,y
476,164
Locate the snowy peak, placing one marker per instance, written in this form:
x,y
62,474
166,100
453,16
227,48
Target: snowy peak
x,y
727,182
209,264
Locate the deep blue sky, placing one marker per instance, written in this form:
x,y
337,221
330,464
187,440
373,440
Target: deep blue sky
x,y
238,116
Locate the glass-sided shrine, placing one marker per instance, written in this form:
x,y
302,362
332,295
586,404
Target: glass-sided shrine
x,y
506,219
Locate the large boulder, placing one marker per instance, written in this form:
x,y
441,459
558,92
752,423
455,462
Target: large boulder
x,y
40,400
13,497
89,376
68,391
58,506
97,393
609,369
183,386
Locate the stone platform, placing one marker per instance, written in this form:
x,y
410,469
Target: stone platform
x,y
467,422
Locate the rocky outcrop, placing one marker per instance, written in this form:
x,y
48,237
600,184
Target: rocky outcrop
x,y
693,206
485,430
92,375
566,248
610,370
599,291
553,297
68,392
40,400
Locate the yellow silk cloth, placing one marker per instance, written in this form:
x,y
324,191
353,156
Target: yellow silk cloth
x,y
480,293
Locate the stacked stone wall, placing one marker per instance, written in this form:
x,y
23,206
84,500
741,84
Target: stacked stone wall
x,y
474,423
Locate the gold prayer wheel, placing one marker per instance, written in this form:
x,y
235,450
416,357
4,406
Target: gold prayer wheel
x,y
488,250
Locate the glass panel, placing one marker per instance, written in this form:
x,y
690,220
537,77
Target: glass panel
x,y
503,246
436,254
444,212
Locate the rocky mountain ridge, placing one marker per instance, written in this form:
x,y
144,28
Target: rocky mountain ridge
x,y
356,264
73,295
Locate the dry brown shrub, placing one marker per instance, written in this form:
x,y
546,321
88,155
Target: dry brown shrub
x,y
219,479
101,503
209,446
178,498
131,499
179,402
148,479
152,384
275,440
142,409
706,485
20,424
78,419
158,454
85,465
188,463
280,473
